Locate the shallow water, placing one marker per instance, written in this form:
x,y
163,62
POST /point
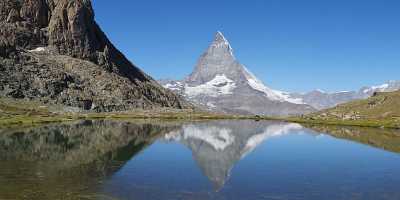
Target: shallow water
x,y
198,160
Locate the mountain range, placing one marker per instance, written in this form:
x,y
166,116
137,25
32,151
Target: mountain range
x,y
220,83
322,100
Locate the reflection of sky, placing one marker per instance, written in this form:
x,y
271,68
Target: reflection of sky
x,y
288,166
158,168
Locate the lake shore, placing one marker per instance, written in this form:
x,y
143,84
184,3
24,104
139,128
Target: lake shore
x,y
28,113
375,123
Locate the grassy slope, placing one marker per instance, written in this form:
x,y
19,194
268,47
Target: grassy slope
x,y
381,110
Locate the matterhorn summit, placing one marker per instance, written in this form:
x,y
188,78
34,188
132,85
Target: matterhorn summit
x,y
220,83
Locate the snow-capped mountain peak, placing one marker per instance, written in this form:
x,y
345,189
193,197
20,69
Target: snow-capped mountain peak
x,y
220,83
221,42
220,46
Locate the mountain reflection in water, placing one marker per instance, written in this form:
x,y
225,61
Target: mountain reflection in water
x,y
136,160
217,146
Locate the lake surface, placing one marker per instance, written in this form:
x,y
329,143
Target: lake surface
x,y
198,160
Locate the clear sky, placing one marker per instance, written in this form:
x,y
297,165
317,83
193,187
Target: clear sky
x,y
291,45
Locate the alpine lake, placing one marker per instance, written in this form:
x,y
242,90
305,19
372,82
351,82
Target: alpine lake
x,y
226,159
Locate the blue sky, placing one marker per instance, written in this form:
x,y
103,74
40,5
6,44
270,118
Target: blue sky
x,y
291,45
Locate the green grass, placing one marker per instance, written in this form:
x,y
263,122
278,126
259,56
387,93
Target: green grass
x,y
381,110
28,113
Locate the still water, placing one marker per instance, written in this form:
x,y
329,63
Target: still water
x,y
198,160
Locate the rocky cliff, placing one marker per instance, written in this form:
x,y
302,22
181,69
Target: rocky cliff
x,y
54,51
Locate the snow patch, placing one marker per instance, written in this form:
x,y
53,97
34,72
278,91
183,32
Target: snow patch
x,y
379,88
39,49
211,105
173,86
274,95
344,91
220,85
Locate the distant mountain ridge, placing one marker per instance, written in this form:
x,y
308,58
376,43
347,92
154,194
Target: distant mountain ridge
x,y
220,83
323,100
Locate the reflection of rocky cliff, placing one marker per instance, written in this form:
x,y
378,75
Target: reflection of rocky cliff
x,y
387,139
80,143
217,146
69,157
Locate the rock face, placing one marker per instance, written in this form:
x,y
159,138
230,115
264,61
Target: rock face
x,y
322,100
220,83
54,51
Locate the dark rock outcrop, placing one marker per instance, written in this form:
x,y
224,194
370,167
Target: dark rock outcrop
x,y
54,51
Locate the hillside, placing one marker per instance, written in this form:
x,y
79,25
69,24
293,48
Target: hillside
x,y
380,110
384,105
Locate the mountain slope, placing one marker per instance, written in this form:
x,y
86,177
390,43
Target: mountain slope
x,y
220,83
54,51
381,106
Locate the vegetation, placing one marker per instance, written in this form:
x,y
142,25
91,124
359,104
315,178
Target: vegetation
x,y
381,110
26,113
388,139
